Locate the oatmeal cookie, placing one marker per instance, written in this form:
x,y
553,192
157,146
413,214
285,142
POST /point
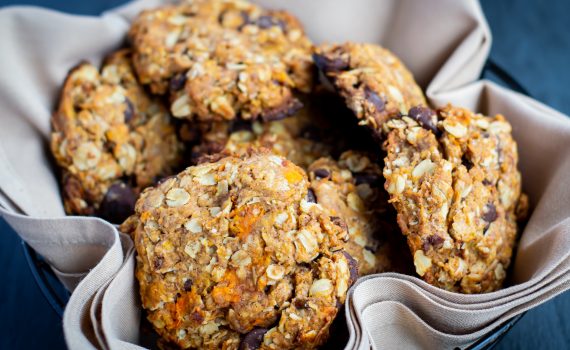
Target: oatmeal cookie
x,y
453,179
110,139
352,190
223,59
375,84
236,252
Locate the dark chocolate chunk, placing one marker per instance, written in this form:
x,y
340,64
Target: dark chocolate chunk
x,y
301,303
466,162
432,241
490,213
177,82
188,285
282,112
118,203
339,222
311,198
372,97
321,173
253,339
426,117
326,64
352,266
129,110
265,22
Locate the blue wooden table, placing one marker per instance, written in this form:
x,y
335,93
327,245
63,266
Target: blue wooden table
x,y
531,40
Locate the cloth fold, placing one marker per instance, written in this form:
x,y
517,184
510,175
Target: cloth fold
x,y
444,42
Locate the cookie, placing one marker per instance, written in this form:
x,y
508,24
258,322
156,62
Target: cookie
x,y
351,189
374,83
453,179
223,59
235,254
110,139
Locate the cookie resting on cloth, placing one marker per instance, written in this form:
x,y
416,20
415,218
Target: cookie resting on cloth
x,y
222,60
237,252
452,177
110,139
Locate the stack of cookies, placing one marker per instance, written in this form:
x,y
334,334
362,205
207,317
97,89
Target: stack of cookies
x,y
260,175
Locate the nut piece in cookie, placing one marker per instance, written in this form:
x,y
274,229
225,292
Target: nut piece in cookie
x,y
223,59
456,192
351,189
235,254
110,139
373,81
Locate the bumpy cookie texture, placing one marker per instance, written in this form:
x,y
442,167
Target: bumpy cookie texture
x,y
373,81
236,252
457,192
110,139
223,59
351,189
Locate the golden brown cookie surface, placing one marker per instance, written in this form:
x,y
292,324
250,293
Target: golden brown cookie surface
x,y
453,179
235,251
222,60
110,139
374,82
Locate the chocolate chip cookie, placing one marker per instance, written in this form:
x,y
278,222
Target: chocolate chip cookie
x,y
237,252
351,189
110,139
452,176
373,81
223,59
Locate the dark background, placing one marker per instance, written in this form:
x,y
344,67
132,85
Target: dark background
x,y
531,40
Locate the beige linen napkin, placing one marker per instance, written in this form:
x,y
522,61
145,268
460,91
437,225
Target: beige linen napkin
x,y
444,42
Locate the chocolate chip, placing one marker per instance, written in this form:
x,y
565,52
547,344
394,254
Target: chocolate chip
x,y
487,182
118,203
432,241
426,117
371,179
301,303
352,267
177,82
339,222
321,173
490,213
188,285
466,161
311,198
129,111
265,22
372,97
253,339
282,112
326,64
